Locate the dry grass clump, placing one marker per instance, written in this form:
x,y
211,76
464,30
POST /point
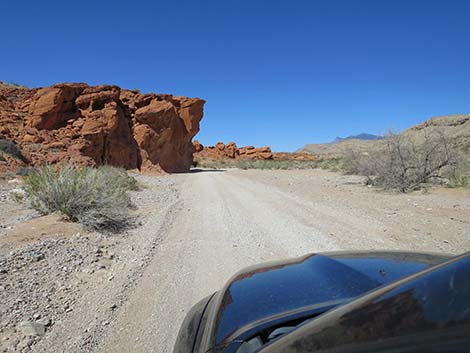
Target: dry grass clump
x,y
94,197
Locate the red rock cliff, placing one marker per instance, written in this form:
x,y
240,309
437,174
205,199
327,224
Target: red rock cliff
x,y
99,125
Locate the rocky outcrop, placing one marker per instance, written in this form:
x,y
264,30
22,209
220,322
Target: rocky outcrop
x,y
197,146
98,125
231,151
251,152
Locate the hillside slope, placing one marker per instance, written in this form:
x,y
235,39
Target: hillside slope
x,y
456,127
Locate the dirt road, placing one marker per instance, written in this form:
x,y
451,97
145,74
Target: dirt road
x,y
230,220
198,229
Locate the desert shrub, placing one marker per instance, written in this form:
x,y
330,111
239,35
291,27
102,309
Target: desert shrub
x,y
255,164
405,164
11,148
459,181
334,164
211,163
94,197
118,178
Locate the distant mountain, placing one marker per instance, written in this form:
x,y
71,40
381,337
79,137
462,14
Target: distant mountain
x,y
362,136
340,144
455,127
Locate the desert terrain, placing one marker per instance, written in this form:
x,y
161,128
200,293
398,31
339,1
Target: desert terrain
x,y
69,290
150,151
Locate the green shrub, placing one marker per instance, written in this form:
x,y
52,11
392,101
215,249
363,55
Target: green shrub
x,y
94,197
459,182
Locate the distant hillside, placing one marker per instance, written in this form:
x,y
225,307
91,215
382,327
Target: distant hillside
x,y
338,148
456,127
362,136
11,84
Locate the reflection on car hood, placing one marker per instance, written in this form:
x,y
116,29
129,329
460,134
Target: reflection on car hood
x,y
270,290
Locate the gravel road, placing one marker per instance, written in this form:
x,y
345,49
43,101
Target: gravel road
x,y
198,229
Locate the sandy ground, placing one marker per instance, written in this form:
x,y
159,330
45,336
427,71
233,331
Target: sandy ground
x,y
197,230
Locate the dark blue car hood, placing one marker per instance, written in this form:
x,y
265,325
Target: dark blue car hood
x,y
304,287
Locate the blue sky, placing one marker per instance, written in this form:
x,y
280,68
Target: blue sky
x,y
278,73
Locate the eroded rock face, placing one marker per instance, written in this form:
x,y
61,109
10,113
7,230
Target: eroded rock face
x,y
101,125
51,107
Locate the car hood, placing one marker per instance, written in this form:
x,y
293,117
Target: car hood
x,y
304,287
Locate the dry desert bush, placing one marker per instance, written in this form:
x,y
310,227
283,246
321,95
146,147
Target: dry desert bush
x,y
407,163
94,197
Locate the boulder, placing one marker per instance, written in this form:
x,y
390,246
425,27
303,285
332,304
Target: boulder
x,y
31,328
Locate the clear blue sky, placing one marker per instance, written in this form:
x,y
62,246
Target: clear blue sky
x,y
278,73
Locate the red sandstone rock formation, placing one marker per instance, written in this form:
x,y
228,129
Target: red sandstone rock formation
x,y
98,125
251,152
197,146
231,151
